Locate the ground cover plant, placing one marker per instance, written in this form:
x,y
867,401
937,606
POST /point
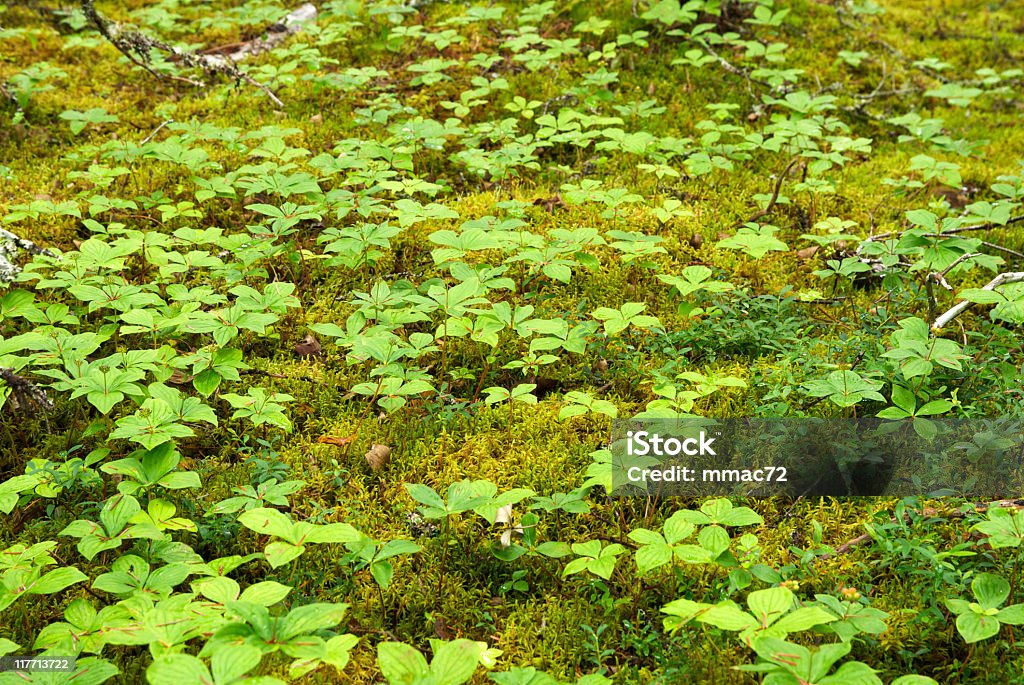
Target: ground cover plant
x,y
313,320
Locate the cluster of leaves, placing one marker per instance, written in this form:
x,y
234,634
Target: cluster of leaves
x,y
144,334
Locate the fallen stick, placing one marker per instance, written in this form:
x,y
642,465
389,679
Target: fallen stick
x,y
10,244
25,395
962,306
276,34
952,231
24,244
927,511
137,46
775,194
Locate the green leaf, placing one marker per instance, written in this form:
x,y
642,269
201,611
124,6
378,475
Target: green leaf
x,y
267,522
728,616
852,673
231,663
382,572
714,539
333,532
266,593
57,580
400,664
602,567
976,627
311,618
768,605
677,528
575,566
7,646
846,388
117,512
990,590
740,516
336,650
904,399
455,662
554,550
281,553
754,240
220,589
90,671
651,556
177,669
425,495
804,618
1012,615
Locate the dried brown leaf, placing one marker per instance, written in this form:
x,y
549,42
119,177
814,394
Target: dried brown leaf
x,y
309,347
335,440
377,457
807,252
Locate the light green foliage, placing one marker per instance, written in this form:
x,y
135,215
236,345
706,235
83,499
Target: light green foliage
x,y
469,237
981,619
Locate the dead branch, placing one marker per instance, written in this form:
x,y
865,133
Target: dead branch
x,y
1000,248
733,69
10,244
267,374
25,395
952,231
940,278
159,128
927,511
960,307
276,34
138,47
775,193
23,243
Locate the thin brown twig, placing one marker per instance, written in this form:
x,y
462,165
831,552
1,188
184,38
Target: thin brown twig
x,y
775,194
952,231
137,46
927,511
267,374
1007,250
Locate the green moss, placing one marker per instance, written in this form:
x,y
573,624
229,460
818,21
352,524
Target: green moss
x,y
438,442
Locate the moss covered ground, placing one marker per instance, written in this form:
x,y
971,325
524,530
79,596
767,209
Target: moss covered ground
x,y
674,127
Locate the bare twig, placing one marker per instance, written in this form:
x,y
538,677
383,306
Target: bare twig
x,y
267,374
940,277
25,395
1007,250
928,511
10,244
733,69
24,244
137,46
960,307
276,34
775,193
952,231
159,128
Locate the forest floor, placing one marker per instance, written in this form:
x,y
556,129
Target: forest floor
x,y
467,239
